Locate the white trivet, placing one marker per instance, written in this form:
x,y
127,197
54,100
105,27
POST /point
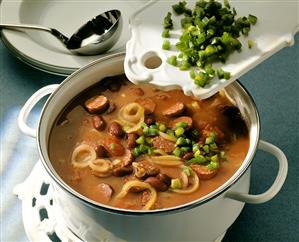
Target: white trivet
x,y
41,218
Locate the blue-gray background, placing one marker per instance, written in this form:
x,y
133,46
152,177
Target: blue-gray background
x,y
274,86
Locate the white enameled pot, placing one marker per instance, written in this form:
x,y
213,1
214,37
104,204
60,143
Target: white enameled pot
x,y
204,219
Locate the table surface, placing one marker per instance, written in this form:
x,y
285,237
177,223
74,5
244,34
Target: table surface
x,y
274,86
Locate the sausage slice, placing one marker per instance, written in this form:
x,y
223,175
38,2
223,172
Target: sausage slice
x,y
175,110
113,146
148,104
97,104
184,119
203,172
163,144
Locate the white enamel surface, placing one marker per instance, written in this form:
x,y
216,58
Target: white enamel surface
x,y
44,51
203,223
278,21
28,106
277,184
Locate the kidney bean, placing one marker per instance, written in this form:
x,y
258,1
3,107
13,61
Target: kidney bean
x,y
175,110
132,140
203,172
184,119
97,104
106,191
122,170
164,178
113,146
98,122
156,183
115,129
148,104
101,151
128,158
188,156
149,119
163,144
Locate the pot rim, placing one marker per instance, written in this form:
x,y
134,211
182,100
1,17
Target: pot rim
x,y
115,210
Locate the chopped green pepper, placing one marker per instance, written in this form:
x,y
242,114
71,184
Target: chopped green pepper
x,y
166,45
176,183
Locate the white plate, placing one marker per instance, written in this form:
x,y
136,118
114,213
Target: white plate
x,y
45,52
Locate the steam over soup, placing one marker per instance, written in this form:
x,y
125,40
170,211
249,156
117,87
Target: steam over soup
x,y
137,147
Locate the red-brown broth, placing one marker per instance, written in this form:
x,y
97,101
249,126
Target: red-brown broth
x,y
74,127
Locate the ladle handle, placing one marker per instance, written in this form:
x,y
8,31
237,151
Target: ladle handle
x,y
52,31
26,109
277,184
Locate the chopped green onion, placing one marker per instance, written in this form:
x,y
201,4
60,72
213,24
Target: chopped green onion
x,y
176,183
179,131
213,146
187,170
179,8
185,149
177,152
223,74
149,140
206,149
214,158
168,24
181,125
197,153
252,19
197,160
195,147
166,45
180,141
162,127
165,33
140,140
172,60
210,34
213,165
135,152
210,139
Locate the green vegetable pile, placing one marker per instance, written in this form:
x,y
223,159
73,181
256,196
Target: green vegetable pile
x,y
206,152
210,34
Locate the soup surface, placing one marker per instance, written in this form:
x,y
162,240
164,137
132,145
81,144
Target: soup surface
x,y
137,147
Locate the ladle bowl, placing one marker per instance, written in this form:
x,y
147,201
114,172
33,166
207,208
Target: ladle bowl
x,y
97,36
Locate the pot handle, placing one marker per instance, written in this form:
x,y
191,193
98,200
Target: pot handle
x,y
277,184
31,102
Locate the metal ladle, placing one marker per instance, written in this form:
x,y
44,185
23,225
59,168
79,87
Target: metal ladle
x,y
96,36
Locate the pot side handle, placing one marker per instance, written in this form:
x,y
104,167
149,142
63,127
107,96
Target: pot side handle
x,y
277,184
31,102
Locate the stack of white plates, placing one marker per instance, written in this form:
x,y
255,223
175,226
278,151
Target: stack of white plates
x,y
43,51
